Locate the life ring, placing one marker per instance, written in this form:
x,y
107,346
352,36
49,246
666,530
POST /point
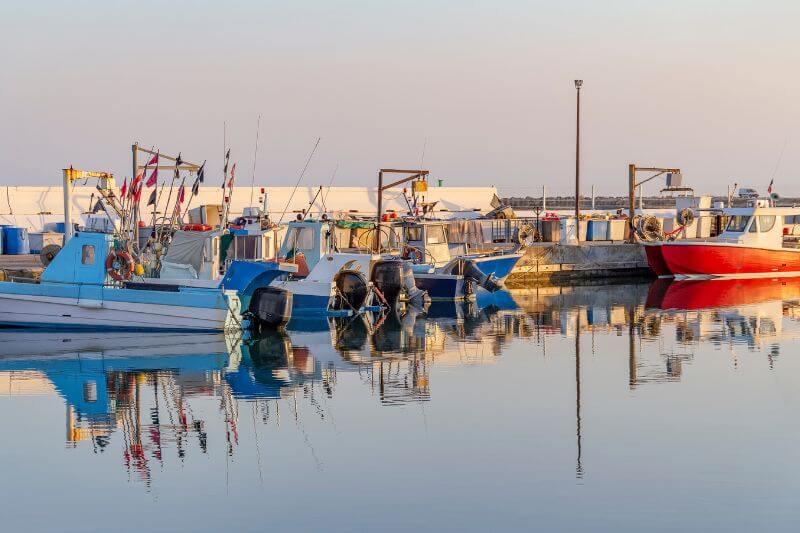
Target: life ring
x,y
196,227
119,265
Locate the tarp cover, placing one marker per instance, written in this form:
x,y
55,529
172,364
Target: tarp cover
x,y
186,248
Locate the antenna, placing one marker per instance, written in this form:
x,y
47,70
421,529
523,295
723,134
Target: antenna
x,y
255,158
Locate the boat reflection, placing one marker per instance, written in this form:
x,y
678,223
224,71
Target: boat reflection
x,y
151,392
143,386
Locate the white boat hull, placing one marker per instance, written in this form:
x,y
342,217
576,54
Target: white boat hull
x,y
55,312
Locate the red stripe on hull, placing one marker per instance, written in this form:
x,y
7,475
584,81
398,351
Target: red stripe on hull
x,y
710,259
655,259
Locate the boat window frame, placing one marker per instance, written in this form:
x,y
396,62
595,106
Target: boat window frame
x,y
88,254
753,228
744,227
761,228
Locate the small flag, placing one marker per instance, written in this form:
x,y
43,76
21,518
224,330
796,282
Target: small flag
x,y
138,194
233,172
153,178
152,200
154,175
135,183
124,190
196,186
769,189
227,157
201,173
178,160
182,195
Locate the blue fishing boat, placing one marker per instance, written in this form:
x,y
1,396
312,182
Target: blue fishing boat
x,y
77,290
451,271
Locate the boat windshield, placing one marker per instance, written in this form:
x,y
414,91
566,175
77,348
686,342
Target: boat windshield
x,y
738,223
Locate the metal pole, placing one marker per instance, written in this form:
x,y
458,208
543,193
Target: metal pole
x,y
544,197
631,200
380,212
68,230
134,222
578,84
592,197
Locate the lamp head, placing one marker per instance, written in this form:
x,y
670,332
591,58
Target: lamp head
x,y
578,84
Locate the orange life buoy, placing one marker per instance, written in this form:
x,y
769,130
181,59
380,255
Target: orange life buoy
x,y
119,265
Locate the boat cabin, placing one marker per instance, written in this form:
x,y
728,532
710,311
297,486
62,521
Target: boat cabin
x,y
428,241
81,261
758,226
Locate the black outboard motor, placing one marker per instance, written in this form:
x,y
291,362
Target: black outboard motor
x,y
469,269
416,297
270,307
351,290
387,277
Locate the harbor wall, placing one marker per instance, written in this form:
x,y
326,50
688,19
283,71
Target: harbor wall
x,y
36,207
554,262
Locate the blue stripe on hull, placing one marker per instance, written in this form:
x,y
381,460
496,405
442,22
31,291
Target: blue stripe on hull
x,y
307,305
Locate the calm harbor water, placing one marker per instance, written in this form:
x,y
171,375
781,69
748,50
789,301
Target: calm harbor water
x,y
617,408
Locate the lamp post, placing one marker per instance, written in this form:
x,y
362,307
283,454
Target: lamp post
x,y
578,84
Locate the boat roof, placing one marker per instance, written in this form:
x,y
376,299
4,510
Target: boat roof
x,y
754,210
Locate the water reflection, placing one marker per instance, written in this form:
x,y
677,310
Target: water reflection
x,y
151,392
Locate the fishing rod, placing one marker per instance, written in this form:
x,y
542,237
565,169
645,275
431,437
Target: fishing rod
x,y
330,184
310,156
311,203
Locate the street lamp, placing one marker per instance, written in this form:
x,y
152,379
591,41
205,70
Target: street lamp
x,y
578,84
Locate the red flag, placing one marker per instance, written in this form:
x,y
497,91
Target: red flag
x,y
134,184
154,175
182,195
138,194
153,178
230,181
124,190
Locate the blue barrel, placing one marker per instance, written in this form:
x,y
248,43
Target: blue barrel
x,y
15,241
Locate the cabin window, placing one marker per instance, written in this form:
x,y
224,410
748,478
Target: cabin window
x,y
301,239
414,233
87,254
766,223
737,223
436,235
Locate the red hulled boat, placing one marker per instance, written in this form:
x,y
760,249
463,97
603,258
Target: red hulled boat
x,y
753,244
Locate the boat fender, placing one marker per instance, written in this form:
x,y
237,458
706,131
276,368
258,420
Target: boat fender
x,y
119,265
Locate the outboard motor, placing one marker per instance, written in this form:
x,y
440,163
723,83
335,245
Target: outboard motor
x,y
416,297
469,269
387,277
270,307
351,290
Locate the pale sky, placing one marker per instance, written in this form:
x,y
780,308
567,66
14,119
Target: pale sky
x,y
487,87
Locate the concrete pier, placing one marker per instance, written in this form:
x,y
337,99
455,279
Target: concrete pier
x,y
553,262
